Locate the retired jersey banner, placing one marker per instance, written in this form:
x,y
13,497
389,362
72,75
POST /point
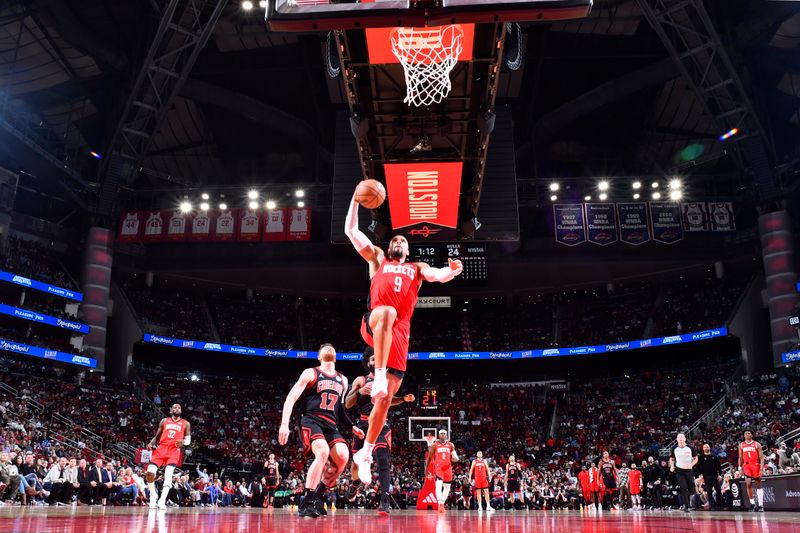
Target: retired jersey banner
x,y
201,227
224,227
633,226
721,216
423,197
299,224
666,220
601,224
153,226
695,217
177,225
130,226
569,223
249,225
275,225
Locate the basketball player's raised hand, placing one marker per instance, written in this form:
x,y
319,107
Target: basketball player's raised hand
x,y
358,432
455,264
283,435
409,398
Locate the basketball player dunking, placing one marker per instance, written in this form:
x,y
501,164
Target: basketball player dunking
x,y
443,454
359,397
479,476
173,434
394,287
272,475
321,414
751,462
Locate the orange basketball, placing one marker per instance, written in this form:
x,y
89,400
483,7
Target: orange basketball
x,y
370,194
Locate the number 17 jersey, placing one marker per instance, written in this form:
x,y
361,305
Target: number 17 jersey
x,y
395,284
323,396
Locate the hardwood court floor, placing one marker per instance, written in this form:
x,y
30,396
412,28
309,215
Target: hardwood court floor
x,y
202,520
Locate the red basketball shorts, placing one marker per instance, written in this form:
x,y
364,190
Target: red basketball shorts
x,y
398,353
752,470
166,455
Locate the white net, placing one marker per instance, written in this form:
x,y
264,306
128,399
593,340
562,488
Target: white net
x,y
428,55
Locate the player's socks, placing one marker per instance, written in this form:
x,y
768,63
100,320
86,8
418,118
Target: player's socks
x,y
153,495
760,496
353,489
319,496
380,386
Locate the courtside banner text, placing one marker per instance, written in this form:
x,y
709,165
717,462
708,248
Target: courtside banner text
x,y
791,357
423,195
42,353
40,286
449,356
33,316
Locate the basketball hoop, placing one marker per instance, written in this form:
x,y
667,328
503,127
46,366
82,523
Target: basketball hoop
x,y
428,55
429,439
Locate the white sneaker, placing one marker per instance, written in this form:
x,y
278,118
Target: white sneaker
x,y
363,461
380,386
490,508
153,503
162,505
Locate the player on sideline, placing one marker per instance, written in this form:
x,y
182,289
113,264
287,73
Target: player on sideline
x,y
322,410
359,396
608,471
479,476
394,287
173,434
272,475
513,483
443,454
751,462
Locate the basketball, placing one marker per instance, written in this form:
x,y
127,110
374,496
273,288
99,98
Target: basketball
x,y
370,194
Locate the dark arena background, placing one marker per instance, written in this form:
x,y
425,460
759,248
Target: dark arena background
x,y
607,190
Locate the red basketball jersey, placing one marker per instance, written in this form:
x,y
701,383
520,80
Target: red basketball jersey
x,y
441,452
396,285
480,471
750,452
173,432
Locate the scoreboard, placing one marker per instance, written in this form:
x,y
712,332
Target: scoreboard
x,y
472,256
428,397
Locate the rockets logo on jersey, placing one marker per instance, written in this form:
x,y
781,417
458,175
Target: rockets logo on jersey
x,y
173,432
395,285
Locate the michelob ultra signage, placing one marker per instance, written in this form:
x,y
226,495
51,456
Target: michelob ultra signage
x,y
423,197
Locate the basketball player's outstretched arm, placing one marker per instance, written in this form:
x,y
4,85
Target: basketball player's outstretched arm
x,y
153,443
305,378
371,253
442,275
471,468
429,457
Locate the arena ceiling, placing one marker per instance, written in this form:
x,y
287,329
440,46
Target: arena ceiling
x,y
599,96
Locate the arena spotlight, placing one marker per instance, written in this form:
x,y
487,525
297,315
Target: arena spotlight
x,y
553,198
675,195
205,196
185,207
654,185
95,155
637,184
587,198
636,196
271,204
263,4
656,195
603,196
675,184
554,187
252,194
194,377
603,185
301,203
247,5
253,205
204,206
300,193
223,206
728,134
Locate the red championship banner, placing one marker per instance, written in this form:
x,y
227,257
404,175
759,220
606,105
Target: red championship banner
x,y
224,227
154,226
177,224
423,197
300,224
248,222
201,226
275,225
130,226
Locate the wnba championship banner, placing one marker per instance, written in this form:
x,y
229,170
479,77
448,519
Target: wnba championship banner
x,y
633,226
423,197
569,223
601,223
666,220
231,225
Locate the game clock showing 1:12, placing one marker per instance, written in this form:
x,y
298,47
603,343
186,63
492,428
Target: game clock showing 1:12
x,y
472,256
428,397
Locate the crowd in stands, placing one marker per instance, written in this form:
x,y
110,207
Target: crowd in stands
x,y
175,312
34,260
